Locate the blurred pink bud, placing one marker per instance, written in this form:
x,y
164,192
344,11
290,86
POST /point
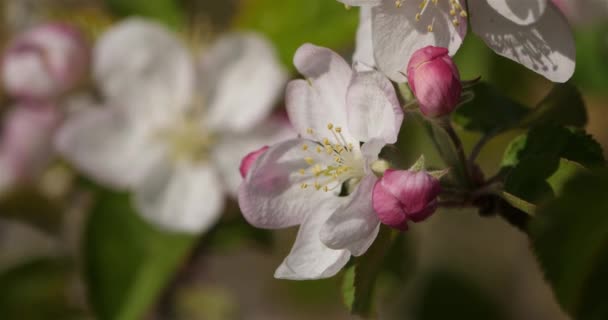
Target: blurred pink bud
x,y
26,142
45,62
434,80
400,196
249,159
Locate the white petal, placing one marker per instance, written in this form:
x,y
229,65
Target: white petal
x,y
321,98
242,78
271,195
397,35
522,12
140,65
185,197
546,47
355,225
363,58
231,148
105,145
373,108
309,258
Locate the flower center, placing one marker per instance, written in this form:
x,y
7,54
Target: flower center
x,y
346,163
457,11
188,140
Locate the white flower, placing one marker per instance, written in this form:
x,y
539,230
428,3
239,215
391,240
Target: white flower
x,y
531,32
170,130
299,182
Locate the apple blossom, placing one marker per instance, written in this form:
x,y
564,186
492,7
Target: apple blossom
x,y
45,62
434,80
531,32
405,195
172,131
323,180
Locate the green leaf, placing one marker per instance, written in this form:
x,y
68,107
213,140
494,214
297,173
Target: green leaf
x,y
291,23
563,106
166,11
557,142
570,239
490,112
38,289
539,161
127,261
360,278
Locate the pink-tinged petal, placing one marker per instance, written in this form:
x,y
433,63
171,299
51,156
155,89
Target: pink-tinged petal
x,y
271,196
363,58
355,225
523,12
309,258
373,108
26,146
397,35
141,66
388,208
184,198
546,47
231,148
45,62
321,98
249,159
242,79
104,144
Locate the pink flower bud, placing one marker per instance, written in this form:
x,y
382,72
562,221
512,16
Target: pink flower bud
x,y
249,159
400,196
26,142
434,80
44,62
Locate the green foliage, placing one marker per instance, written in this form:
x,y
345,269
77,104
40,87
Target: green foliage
x,y
166,11
563,106
291,23
360,278
591,51
38,289
127,261
490,112
535,159
570,239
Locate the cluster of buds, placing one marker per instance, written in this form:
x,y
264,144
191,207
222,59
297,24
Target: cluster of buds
x,y
37,69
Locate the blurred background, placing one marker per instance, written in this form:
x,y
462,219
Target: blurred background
x,y
71,250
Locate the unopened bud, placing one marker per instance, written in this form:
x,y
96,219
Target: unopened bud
x,y
434,80
403,195
44,62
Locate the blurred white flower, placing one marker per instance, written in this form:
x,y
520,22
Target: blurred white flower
x,y
298,182
531,32
171,130
584,12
